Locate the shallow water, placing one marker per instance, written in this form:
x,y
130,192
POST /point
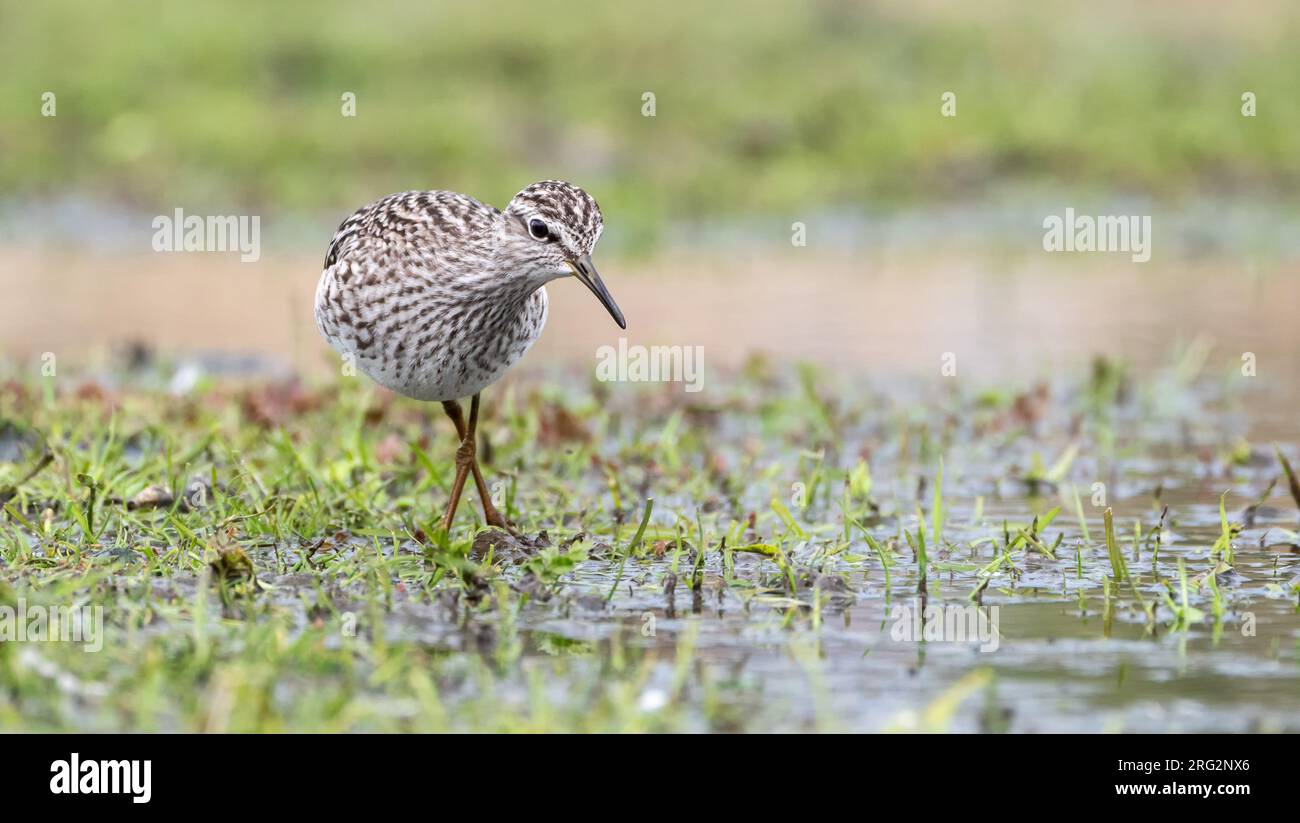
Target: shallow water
x,y
1072,652
1059,663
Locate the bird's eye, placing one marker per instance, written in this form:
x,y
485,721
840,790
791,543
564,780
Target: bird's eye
x,y
538,230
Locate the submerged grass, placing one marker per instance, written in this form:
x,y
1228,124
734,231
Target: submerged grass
x,y
267,556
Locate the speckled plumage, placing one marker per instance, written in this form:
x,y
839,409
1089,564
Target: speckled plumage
x,y
436,295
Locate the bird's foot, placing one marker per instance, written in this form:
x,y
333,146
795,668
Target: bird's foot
x,y
507,546
497,520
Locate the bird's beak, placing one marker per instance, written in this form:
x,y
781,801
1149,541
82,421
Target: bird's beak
x,y
585,271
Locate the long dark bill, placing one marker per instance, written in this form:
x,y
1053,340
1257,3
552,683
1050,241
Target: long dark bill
x,y
585,271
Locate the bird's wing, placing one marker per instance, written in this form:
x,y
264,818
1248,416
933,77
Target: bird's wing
x,y
413,231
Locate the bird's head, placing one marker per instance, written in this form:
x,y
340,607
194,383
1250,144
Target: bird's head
x,y
548,231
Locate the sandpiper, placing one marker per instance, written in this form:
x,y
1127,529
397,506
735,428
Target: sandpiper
x,y
434,295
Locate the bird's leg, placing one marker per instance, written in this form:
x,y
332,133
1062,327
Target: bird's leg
x,y
490,514
452,408
466,461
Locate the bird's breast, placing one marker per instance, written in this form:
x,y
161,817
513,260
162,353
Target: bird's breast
x,y
444,346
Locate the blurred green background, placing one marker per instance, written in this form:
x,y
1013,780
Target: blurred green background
x,y
762,107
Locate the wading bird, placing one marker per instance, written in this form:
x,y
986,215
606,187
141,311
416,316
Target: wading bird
x,y
434,295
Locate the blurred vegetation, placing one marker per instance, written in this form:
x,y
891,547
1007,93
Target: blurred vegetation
x,y
761,107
